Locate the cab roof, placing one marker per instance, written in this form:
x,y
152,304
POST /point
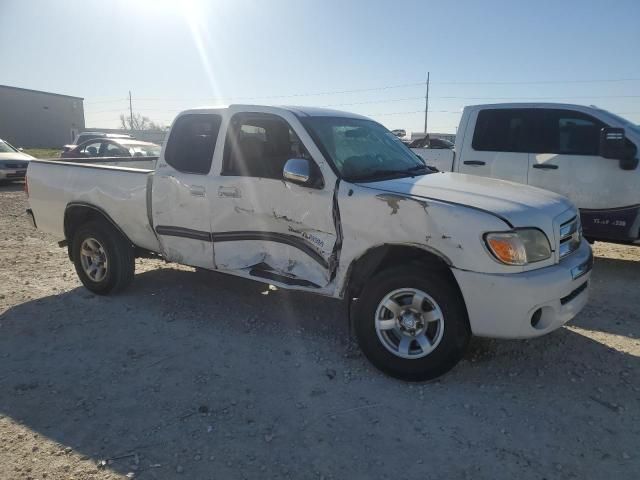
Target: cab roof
x,y
296,110
569,106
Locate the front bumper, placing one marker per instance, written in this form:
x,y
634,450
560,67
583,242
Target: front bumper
x,y
11,174
527,304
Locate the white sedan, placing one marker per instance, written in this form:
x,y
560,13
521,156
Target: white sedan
x,y
13,162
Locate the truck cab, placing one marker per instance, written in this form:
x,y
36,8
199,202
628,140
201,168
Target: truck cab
x,y
585,153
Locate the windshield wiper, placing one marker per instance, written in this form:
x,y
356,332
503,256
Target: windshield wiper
x,y
378,173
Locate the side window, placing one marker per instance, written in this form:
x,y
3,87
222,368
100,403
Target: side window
x,y
571,133
259,144
92,149
504,130
192,142
115,150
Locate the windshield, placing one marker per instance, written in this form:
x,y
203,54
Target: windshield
x,y
363,149
142,149
6,148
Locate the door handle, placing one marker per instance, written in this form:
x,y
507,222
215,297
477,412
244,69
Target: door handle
x,y
229,192
197,190
546,166
474,162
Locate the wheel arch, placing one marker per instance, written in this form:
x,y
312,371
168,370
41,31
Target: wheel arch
x,y
383,256
77,214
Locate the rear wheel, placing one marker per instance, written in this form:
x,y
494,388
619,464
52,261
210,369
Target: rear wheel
x,y
104,259
411,323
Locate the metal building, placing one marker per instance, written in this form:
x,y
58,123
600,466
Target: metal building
x,y
31,118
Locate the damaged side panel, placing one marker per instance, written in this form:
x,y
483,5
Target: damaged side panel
x,y
275,227
255,257
371,218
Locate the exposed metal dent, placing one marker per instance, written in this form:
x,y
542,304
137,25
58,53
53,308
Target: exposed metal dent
x,y
393,201
285,218
238,209
442,201
334,259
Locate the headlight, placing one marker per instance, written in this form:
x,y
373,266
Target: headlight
x,y
519,247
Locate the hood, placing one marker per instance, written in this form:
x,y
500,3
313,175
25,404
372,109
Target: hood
x,y
521,205
15,156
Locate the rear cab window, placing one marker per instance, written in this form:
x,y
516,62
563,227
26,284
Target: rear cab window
x,y
505,130
537,130
192,142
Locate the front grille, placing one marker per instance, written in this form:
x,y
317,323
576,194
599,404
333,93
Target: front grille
x,y
570,236
574,294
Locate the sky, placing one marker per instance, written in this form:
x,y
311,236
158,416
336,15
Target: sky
x,y
369,57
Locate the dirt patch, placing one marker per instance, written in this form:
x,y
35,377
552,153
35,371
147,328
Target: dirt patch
x,y
201,375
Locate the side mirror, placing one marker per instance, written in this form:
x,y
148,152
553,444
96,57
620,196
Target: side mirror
x,y
612,142
20,149
302,172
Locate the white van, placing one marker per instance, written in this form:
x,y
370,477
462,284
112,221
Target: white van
x,y
588,154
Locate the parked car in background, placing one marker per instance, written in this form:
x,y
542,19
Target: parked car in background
x,y
13,162
585,153
330,203
433,143
86,136
112,147
434,151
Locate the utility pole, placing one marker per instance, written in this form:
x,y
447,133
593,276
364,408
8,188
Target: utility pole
x,y
426,105
131,112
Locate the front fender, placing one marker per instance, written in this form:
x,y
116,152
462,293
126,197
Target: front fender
x,y
451,231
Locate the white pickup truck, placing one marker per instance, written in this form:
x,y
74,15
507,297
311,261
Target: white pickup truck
x,y
585,153
331,203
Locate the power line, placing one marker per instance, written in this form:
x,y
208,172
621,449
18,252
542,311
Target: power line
x,y
380,88
536,98
537,82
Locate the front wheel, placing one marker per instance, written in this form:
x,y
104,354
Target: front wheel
x,y
104,259
412,323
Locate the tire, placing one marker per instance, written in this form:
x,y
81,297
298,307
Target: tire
x,y
115,252
441,319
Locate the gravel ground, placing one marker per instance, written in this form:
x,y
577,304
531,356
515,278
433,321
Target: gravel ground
x,y
195,375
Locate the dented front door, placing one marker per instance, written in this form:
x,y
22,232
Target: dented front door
x,y
271,229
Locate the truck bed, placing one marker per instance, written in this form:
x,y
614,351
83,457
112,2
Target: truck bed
x,y
118,191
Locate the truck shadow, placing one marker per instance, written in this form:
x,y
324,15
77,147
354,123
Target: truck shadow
x,y
614,298
207,372
11,187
